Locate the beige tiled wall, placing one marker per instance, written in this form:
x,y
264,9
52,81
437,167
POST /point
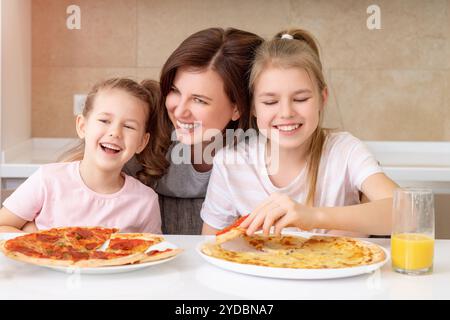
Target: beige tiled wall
x,y
388,84
15,72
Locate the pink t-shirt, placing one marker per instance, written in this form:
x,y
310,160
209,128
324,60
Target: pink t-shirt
x,y
56,196
240,180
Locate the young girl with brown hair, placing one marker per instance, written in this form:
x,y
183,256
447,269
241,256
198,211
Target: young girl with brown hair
x,y
320,177
117,123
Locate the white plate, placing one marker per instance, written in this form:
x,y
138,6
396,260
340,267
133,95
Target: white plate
x,y
106,270
119,269
290,273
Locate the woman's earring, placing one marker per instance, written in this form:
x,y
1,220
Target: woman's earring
x,y
236,115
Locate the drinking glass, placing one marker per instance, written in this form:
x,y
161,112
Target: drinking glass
x,y
412,238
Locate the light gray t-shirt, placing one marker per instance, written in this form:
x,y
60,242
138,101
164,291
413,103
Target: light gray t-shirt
x,y
181,193
181,179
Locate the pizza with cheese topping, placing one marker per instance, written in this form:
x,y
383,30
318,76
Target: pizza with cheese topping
x,y
288,251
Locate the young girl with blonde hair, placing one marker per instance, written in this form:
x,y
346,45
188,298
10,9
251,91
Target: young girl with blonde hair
x,y
321,176
117,122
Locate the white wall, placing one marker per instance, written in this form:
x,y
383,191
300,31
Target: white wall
x,y
15,16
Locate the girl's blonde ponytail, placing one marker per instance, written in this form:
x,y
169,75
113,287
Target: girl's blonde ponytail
x,y
301,35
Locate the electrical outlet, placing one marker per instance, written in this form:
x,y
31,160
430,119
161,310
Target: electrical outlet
x,y
78,103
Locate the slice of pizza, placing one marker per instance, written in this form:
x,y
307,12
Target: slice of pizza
x,y
63,246
104,259
123,248
87,238
272,243
231,232
47,247
154,255
341,252
130,243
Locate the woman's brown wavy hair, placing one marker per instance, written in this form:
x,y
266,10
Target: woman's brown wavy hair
x,y
230,53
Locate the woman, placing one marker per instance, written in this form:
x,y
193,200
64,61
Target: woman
x,y
204,91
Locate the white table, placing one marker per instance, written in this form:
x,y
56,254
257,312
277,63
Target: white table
x,y
190,277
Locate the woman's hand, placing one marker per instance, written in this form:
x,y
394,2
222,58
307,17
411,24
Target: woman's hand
x,y
280,211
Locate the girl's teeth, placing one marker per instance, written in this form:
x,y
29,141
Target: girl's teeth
x,y
288,128
110,146
187,126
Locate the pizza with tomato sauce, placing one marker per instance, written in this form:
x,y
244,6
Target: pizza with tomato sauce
x,y
231,232
84,247
131,243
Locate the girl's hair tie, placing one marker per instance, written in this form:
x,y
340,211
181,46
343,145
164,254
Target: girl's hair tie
x,y
287,36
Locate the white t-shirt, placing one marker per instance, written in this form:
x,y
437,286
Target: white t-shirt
x,y
240,181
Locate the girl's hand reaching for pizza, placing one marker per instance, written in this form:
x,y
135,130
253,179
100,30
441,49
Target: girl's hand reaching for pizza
x,y
280,211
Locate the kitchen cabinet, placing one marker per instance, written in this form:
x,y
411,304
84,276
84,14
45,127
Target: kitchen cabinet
x,y
20,161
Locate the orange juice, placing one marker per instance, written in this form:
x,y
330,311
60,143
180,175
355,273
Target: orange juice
x,y
412,251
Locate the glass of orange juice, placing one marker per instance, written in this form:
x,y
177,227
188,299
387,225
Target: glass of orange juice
x,y
412,238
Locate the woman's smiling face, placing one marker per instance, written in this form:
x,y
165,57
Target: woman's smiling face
x,y
287,106
198,105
